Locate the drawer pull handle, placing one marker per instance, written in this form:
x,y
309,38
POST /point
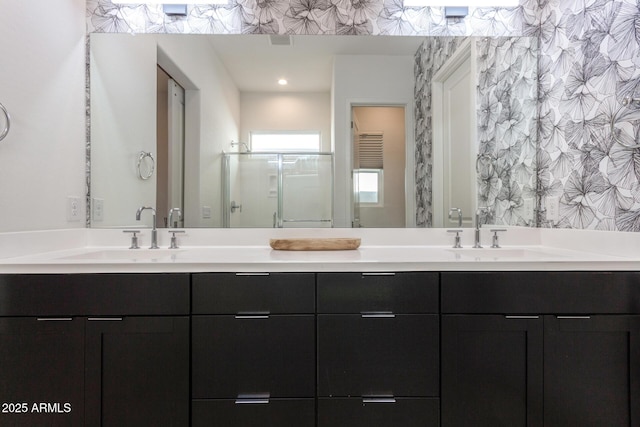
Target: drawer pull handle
x,y
54,319
378,274
251,401
252,274
573,317
522,317
253,315
377,315
253,398
378,400
105,319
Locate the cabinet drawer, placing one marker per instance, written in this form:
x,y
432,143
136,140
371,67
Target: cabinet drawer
x,y
272,413
229,293
541,292
94,294
274,355
382,413
366,292
363,356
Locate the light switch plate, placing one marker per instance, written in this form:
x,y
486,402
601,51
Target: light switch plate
x,y
528,209
206,212
553,209
98,209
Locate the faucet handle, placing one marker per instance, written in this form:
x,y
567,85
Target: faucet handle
x,y
134,238
495,232
456,243
174,241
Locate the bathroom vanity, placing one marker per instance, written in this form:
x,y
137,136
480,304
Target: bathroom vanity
x,y
397,335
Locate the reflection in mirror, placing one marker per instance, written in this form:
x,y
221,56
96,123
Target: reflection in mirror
x,y
229,91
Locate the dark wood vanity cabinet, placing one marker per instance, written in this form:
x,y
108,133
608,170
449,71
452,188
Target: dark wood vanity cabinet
x,y
41,362
253,350
378,349
94,349
137,371
540,349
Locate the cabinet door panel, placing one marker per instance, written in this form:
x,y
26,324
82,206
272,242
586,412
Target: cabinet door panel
x,y
274,293
347,293
491,371
361,356
341,412
138,372
41,362
275,413
274,355
592,371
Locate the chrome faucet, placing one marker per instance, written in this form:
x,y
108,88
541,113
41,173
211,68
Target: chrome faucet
x,y
459,211
479,212
171,212
154,231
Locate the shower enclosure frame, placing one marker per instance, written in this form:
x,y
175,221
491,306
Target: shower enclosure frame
x,y
279,220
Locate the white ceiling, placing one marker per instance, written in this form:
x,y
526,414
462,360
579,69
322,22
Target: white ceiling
x,y
256,65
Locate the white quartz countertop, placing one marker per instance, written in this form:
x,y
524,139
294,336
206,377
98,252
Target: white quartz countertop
x,y
224,250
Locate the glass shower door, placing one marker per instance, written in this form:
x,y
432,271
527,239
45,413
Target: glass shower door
x,y
278,190
307,190
251,190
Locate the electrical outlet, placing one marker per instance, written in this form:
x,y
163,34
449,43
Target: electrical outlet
x,y
553,209
73,209
98,209
206,212
528,209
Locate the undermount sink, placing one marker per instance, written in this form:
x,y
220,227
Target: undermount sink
x,y
125,254
502,253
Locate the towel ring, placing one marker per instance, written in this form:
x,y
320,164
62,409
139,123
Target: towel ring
x,y
627,102
148,172
7,124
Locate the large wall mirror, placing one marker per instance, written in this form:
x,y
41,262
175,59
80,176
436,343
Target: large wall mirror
x,y
369,131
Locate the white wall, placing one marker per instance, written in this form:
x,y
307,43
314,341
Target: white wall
x,y
42,159
123,102
367,80
123,123
263,111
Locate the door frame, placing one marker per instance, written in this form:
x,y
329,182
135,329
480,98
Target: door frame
x,y
409,163
467,50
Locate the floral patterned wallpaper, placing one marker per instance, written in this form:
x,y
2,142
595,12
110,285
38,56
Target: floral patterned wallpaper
x,y
506,120
341,17
589,60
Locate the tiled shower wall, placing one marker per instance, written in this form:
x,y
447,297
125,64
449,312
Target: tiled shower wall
x,y
589,60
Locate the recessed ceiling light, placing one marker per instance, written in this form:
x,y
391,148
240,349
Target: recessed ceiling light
x,y
283,82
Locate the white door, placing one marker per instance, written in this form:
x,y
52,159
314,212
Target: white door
x,y
176,148
455,149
